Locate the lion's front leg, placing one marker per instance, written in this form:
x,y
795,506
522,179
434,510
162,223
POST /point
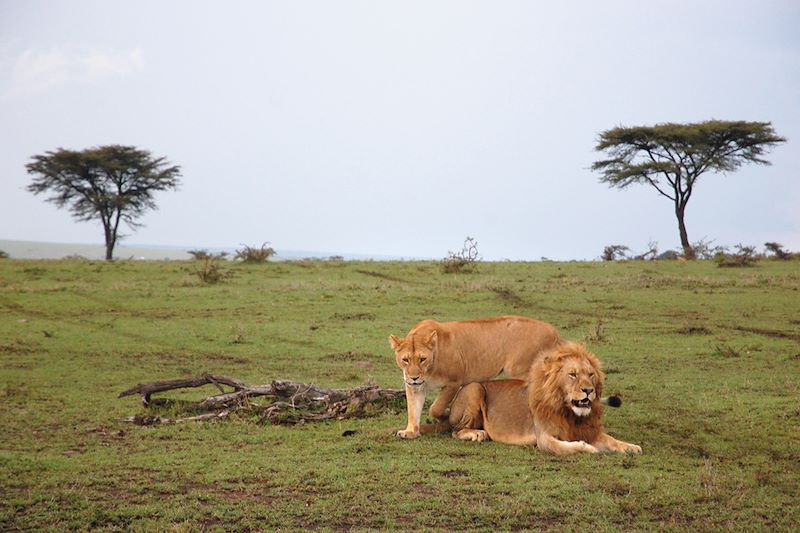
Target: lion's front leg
x,y
415,400
550,444
607,443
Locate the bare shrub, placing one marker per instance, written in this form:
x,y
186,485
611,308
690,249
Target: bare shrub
x,y
745,256
703,249
202,255
463,261
650,255
210,273
251,254
777,252
614,252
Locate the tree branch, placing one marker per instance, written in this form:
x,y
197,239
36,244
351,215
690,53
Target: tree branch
x,y
289,402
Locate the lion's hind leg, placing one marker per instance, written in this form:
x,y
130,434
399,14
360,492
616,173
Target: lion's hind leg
x,y
466,413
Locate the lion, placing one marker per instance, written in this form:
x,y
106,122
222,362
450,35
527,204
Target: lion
x,y
448,355
558,409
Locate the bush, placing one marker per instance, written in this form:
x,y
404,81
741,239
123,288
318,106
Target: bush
x,y
745,256
3,254
615,252
250,254
202,255
463,261
650,255
777,251
210,273
704,250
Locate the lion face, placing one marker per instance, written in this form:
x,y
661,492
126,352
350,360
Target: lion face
x,y
415,356
581,384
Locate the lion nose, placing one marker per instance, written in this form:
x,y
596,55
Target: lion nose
x,y
587,390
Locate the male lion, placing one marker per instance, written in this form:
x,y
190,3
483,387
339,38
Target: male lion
x,y
452,354
558,409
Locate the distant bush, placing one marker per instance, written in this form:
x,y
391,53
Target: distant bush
x,y
669,255
202,255
650,255
210,273
615,252
704,250
250,254
777,252
745,256
463,261
3,255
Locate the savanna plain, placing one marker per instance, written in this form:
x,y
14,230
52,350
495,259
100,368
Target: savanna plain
x,y
707,361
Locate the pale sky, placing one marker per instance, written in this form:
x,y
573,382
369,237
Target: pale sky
x,y
400,127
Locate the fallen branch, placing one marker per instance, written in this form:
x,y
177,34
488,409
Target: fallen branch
x,y
148,389
289,402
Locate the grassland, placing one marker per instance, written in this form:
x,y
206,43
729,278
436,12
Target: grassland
x,y
706,359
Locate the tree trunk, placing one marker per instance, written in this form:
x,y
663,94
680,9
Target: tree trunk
x,y
110,238
688,251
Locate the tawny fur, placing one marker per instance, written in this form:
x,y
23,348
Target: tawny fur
x,y
549,410
448,355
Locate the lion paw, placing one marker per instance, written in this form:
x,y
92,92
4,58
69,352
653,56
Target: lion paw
x,y
408,434
586,447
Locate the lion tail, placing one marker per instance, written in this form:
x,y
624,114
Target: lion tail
x,y
611,401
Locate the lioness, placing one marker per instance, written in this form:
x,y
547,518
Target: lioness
x,y
452,354
557,410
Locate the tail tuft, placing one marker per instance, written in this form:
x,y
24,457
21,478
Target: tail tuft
x,y
612,401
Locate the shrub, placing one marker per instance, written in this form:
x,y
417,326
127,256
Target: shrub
x,y
252,254
202,255
745,256
210,273
704,250
777,251
614,252
3,254
463,261
650,255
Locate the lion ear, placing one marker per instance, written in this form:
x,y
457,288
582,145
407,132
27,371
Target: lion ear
x,y
395,342
432,338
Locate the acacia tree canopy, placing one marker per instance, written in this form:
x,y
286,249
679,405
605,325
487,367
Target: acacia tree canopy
x,y
671,157
113,183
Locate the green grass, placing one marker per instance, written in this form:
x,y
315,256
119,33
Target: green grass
x,y
707,360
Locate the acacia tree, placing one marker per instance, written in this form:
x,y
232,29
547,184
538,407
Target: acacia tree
x,y
113,183
671,157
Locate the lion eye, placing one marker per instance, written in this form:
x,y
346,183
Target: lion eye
x,y
405,360
573,375
423,359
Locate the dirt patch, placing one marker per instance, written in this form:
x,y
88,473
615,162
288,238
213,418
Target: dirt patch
x,y
424,490
772,333
454,473
17,349
353,316
383,276
509,296
694,330
353,356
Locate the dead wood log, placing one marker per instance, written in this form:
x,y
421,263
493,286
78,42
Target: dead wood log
x,y
289,402
148,389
